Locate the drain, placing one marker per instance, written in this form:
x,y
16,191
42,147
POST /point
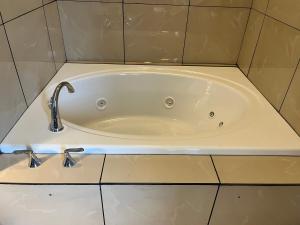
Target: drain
x,y
212,114
101,103
169,102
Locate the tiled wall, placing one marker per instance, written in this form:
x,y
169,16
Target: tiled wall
x,y
156,31
270,55
31,51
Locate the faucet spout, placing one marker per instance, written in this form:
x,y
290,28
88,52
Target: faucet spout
x,y
56,124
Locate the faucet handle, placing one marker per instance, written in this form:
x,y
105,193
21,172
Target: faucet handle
x,y
68,160
34,161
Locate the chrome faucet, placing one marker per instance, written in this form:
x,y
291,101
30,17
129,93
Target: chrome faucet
x,y
55,124
68,160
34,161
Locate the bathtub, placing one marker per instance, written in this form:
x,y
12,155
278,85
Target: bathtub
x,y
131,109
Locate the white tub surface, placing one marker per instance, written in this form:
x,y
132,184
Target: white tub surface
x,y
137,120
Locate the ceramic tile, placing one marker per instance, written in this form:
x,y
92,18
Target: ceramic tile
x,y
228,3
93,31
171,2
12,107
275,60
260,5
258,169
259,205
13,8
286,11
14,169
249,43
214,34
160,205
31,49
291,105
154,33
49,205
55,33
158,169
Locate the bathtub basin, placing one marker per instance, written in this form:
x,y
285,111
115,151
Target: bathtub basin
x,y
155,105
131,109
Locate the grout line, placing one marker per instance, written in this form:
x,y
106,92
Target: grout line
x,y
213,206
258,39
291,81
51,47
278,20
101,196
278,111
14,62
4,22
124,43
62,33
167,4
243,39
102,169
212,160
186,30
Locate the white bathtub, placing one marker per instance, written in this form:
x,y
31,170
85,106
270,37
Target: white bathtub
x,y
156,110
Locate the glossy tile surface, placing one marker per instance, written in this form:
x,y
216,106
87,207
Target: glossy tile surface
x,y
275,60
154,33
214,34
286,11
10,9
258,169
291,106
160,205
14,169
250,40
158,169
93,31
233,3
50,205
260,5
171,2
55,34
31,49
236,205
12,102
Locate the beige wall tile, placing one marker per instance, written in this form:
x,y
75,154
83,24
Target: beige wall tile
x,y
31,49
55,33
13,8
14,169
158,169
171,2
260,5
12,102
154,33
93,31
259,205
250,40
275,60
233,3
258,170
287,11
291,105
159,205
215,34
